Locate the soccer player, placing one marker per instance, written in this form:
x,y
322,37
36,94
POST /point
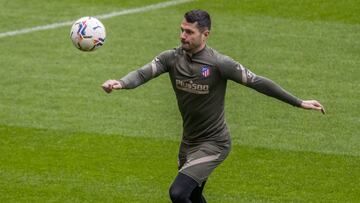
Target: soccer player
x,y
198,76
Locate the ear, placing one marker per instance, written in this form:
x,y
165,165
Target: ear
x,y
206,33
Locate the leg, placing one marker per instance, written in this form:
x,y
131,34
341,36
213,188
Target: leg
x,y
195,165
182,188
197,196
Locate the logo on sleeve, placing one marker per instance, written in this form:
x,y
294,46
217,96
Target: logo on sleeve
x,y
205,71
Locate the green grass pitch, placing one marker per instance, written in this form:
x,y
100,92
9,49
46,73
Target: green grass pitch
x,y
64,140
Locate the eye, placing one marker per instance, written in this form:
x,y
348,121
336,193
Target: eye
x,y
187,31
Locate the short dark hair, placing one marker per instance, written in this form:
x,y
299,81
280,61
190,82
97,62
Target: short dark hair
x,y
201,17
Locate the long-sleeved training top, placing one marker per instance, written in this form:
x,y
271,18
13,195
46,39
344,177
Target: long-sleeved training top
x,y
199,82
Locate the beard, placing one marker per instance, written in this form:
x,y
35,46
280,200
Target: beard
x,y
186,46
189,47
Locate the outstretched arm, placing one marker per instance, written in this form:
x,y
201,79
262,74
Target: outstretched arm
x,y
270,88
138,77
130,81
235,71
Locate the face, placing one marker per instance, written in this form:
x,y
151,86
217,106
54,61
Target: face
x,y
192,39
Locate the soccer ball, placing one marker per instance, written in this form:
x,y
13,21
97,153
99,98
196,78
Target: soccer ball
x,y
87,34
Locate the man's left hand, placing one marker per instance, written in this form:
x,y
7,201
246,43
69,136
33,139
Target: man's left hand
x,y
313,104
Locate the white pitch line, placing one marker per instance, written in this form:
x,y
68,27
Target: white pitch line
x,y
104,16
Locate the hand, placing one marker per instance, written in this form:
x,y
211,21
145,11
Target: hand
x,y
312,104
109,85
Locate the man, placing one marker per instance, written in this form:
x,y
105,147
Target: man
x,y
199,75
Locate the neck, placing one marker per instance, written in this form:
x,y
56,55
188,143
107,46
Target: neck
x,y
201,47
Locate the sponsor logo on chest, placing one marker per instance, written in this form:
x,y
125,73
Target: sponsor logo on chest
x,y
190,86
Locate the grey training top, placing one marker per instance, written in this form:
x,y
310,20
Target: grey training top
x,y
199,82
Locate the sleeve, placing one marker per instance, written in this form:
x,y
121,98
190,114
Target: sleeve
x,y
234,71
156,67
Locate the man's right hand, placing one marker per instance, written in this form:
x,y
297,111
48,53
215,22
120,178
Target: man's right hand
x,y
109,85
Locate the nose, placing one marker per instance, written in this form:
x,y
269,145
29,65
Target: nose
x,y
182,35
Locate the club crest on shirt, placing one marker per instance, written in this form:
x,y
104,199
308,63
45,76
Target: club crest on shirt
x,y
205,71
